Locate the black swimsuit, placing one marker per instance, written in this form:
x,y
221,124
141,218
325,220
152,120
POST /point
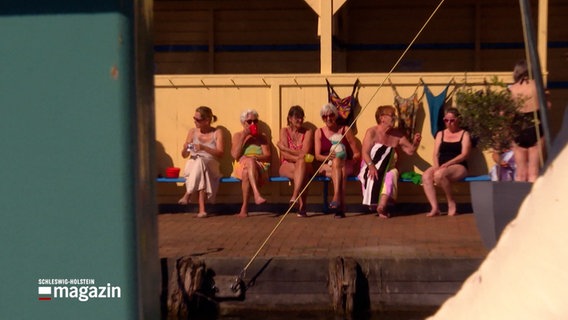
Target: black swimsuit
x,y
450,150
527,132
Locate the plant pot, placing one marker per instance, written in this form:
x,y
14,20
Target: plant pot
x,y
495,204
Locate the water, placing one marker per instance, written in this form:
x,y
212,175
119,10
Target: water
x,y
313,315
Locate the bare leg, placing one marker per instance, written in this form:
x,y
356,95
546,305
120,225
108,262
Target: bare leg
x,y
381,208
337,179
444,178
202,195
345,171
304,196
253,178
534,161
430,191
299,178
444,183
297,172
521,161
245,186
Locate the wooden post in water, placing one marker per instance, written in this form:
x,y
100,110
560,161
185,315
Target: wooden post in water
x,y
335,284
342,285
350,282
185,279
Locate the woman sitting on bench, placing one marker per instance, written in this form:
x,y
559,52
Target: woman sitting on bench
x,y
340,164
378,175
451,150
295,147
204,147
251,152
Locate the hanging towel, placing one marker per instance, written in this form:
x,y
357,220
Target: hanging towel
x,y
383,158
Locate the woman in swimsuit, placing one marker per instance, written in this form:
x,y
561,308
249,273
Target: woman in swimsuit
x,y
451,150
336,168
204,146
529,144
252,156
295,143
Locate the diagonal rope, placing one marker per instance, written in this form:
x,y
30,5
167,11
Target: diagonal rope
x,y
243,272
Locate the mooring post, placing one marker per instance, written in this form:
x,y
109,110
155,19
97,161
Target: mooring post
x,y
185,279
342,284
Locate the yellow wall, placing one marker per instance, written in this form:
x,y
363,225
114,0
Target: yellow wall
x,y
177,97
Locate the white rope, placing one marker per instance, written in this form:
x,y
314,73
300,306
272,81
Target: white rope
x,y
243,273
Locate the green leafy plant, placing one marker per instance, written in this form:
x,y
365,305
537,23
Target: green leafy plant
x,y
489,114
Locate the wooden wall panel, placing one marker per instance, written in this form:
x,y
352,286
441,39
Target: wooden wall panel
x,y
501,24
267,62
266,27
276,33
181,27
399,24
414,61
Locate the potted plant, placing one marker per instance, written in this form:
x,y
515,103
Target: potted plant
x,y
490,115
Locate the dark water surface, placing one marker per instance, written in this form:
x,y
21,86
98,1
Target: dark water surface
x,y
313,315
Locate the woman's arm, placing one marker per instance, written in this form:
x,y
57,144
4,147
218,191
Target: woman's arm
x,y
266,154
308,142
283,142
285,152
437,142
188,140
410,148
237,145
219,150
367,145
317,146
353,144
496,156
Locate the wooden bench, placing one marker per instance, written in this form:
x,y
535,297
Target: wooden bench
x,y
322,179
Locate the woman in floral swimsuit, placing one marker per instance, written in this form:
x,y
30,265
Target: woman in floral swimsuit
x,y
295,143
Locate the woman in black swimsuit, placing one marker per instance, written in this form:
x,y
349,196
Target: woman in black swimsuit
x,y
451,150
529,144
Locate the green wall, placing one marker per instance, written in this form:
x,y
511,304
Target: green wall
x,y
74,205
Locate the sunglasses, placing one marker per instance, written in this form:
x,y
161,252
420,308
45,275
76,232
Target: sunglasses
x,y
197,119
449,120
250,121
326,116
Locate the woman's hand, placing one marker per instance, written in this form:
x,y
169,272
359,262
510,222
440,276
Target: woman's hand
x,y
301,155
416,140
246,130
373,174
443,166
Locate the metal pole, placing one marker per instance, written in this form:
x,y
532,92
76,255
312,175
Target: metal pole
x,y
534,64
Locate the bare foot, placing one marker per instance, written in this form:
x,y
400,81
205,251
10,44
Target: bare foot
x,y
185,199
295,202
452,210
242,214
382,213
433,213
259,200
